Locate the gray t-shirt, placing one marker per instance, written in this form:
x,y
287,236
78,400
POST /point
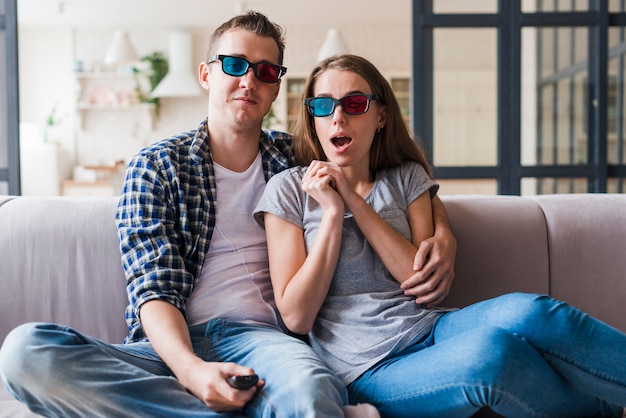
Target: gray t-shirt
x,y
365,317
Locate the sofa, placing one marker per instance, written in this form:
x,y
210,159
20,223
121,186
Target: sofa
x,y
59,259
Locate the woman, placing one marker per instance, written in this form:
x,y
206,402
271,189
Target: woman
x,y
340,229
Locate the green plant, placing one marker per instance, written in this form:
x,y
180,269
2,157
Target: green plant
x,y
270,119
158,69
52,119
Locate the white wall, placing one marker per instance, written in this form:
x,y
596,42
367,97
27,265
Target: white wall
x,y
47,57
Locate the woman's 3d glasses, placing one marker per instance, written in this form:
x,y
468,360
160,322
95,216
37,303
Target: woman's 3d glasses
x,y
355,104
237,66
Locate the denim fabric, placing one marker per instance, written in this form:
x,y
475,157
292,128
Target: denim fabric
x,y
58,371
521,355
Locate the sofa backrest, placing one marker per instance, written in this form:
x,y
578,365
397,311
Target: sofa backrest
x,y
60,262
502,247
587,244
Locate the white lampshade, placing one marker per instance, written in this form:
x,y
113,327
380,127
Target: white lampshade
x,y
180,80
333,45
121,50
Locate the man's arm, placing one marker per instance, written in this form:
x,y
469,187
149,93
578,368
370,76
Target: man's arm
x,y
168,333
434,261
158,286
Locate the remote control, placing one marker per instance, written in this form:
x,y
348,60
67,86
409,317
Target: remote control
x,y
243,382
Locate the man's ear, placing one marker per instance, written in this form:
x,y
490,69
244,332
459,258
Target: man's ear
x,y
203,75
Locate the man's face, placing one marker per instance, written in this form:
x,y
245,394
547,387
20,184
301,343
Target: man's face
x,y
241,101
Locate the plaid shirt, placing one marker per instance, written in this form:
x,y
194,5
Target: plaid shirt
x,y
166,216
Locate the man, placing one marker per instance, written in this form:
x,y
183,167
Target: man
x,y
201,305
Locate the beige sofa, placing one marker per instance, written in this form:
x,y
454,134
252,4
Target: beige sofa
x,y
59,259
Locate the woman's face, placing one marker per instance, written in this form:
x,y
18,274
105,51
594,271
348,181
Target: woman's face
x,y
345,138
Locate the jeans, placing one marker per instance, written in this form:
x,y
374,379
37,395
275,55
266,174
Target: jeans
x,y
520,355
57,371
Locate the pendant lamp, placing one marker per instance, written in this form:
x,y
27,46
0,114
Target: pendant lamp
x,y
121,50
333,45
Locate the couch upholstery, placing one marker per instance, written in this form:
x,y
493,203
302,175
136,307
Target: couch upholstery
x,y
59,259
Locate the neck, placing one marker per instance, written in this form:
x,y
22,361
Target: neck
x,y
235,151
359,178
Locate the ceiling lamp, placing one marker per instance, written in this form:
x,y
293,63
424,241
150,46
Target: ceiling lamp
x,y
333,45
180,80
121,50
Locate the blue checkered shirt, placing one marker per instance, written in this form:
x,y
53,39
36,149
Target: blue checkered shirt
x,y
166,216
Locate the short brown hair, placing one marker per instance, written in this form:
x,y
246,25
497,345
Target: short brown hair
x,y
254,22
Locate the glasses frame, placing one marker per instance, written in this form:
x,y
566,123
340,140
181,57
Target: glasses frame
x,y
220,57
339,102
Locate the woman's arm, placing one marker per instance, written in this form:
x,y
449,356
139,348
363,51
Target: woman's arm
x,y
394,250
300,280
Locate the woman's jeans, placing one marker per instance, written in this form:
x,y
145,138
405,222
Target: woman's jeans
x,y
521,355
57,371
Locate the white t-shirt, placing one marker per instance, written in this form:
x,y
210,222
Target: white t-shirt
x,y
234,283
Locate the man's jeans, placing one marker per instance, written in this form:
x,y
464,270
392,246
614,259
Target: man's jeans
x,y
522,355
57,371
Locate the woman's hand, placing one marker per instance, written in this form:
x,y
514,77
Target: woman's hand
x,y
320,182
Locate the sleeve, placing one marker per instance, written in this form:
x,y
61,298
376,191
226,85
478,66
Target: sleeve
x,y
146,224
416,182
283,197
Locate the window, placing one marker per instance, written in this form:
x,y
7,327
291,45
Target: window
x,y
9,142
523,98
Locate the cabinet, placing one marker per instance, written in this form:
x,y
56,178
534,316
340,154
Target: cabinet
x,y
112,92
295,88
401,86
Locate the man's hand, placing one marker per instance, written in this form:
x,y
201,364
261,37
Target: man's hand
x,y
434,266
167,330
208,382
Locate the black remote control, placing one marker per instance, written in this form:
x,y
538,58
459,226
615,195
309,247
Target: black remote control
x,y
243,382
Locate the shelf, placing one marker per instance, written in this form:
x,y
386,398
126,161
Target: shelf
x,y
133,106
86,109
295,87
112,92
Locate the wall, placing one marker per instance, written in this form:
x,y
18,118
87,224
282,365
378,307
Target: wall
x,y
47,58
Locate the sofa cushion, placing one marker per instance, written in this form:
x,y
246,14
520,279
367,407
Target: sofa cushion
x,y
10,408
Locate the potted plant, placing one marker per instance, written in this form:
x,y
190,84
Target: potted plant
x,y
158,69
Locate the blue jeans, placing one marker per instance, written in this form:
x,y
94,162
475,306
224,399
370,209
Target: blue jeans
x,y
521,355
57,371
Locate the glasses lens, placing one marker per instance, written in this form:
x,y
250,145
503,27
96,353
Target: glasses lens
x,y
234,66
268,73
321,106
355,105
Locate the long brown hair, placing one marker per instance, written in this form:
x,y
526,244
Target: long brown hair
x,y
392,145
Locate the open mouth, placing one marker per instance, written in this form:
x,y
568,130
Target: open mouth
x,y
340,142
